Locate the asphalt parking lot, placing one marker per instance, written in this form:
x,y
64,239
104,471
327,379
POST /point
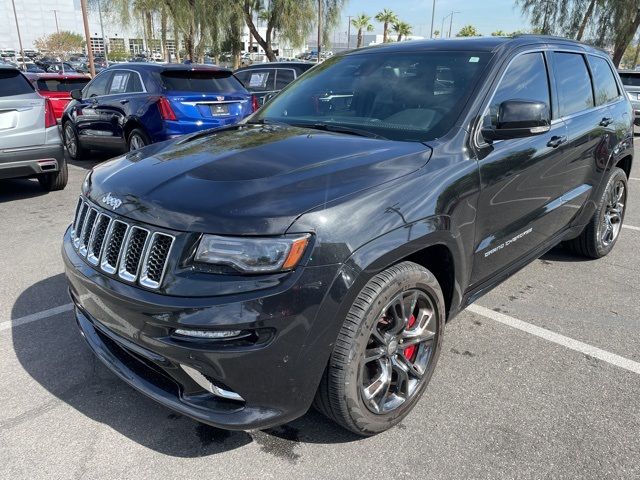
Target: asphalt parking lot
x,y
539,379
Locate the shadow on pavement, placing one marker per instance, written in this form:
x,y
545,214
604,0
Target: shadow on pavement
x,y
55,355
563,254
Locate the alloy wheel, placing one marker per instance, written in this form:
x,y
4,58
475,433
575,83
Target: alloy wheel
x,y
398,351
70,141
136,142
613,214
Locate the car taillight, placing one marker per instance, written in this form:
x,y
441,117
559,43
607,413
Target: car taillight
x,y
166,111
49,117
255,105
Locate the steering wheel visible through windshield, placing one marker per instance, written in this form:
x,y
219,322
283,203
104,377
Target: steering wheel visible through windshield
x,y
408,96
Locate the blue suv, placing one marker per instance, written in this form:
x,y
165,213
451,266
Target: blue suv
x,y
128,106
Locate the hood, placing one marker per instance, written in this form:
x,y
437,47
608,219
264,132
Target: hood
x,y
248,180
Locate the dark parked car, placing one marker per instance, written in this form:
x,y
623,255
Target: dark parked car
x,y
631,82
30,143
129,106
263,79
313,253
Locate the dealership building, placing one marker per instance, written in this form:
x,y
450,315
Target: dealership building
x,y
37,18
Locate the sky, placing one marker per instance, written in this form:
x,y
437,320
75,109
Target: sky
x,y
486,15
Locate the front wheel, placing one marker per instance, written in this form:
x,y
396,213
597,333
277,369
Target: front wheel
x,y
386,351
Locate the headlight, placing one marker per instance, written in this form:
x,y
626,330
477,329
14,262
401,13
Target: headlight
x,y
251,254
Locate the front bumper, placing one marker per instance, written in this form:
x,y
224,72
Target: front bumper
x,y
30,161
277,374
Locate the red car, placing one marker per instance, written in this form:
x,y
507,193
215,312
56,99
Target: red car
x,y
56,87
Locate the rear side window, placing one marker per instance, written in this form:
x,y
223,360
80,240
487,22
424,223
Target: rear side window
x,y
284,77
525,79
98,86
630,79
61,85
119,83
200,81
604,83
573,83
12,82
258,80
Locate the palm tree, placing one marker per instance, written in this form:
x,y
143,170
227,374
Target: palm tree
x,y
386,17
362,22
402,29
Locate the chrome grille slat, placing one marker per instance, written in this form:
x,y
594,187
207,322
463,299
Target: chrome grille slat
x,y
121,248
155,261
133,251
87,229
96,242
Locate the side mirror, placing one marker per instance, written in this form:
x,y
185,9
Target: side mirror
x,y
76,94
518,119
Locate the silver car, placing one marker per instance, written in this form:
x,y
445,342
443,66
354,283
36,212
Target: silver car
x,y
30,142
631,81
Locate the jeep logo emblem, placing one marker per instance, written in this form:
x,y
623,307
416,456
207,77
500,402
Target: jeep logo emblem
x,y
111,201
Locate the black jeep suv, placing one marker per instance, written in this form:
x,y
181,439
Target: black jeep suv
x,y
313,253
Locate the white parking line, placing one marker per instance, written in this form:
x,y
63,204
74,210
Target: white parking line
x,y
567,342
630,227
6,325
636,179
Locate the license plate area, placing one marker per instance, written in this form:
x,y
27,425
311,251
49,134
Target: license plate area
x,y
219,109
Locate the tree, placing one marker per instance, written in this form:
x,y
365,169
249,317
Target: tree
x,y
436,33
362,22
386,17
468,31
499,33
60,44
403,29
631,55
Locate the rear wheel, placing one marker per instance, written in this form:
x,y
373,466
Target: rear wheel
x,y
137,139
386,351
602,232
72,142
55,180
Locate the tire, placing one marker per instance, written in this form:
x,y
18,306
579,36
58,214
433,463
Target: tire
x,y
72,142
346,393
596,240
52,181
137,139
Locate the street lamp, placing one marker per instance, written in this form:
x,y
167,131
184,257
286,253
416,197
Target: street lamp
x,y
433,14
450,16
15,15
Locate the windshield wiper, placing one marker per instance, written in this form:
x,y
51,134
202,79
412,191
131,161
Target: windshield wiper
x,y
332,127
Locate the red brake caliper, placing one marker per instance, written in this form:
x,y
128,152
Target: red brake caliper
x,y
409,352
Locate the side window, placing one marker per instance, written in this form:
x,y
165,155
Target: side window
x,y
604,83
573,83
284,76
98,86
119,83
134,85
525,79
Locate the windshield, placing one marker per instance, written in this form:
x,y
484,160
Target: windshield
x,y
408,96
630,79
201,81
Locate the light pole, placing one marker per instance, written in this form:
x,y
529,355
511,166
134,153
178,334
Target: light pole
x,y
55,14
104,42
15,15
349,31
87,37
450,16
433,14
319,28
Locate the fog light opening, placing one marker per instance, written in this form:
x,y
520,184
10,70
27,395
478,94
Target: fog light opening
x,y
212,334
205,383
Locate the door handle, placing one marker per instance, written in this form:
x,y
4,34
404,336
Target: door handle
x,y
556,141
124,102
606,121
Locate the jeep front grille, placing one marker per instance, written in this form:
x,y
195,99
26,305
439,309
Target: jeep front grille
x,y
131,252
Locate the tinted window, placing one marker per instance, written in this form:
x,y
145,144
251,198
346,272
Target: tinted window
x,y
573,83
630,79
283,78
525,79
134,85
604,83
12,82
200,81
119,82
61,85
258,80
395,96
98,86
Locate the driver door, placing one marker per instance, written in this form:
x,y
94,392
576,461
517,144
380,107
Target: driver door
x,y
521,179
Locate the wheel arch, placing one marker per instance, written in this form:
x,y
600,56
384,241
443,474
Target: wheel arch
x,y
625,164
132,124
